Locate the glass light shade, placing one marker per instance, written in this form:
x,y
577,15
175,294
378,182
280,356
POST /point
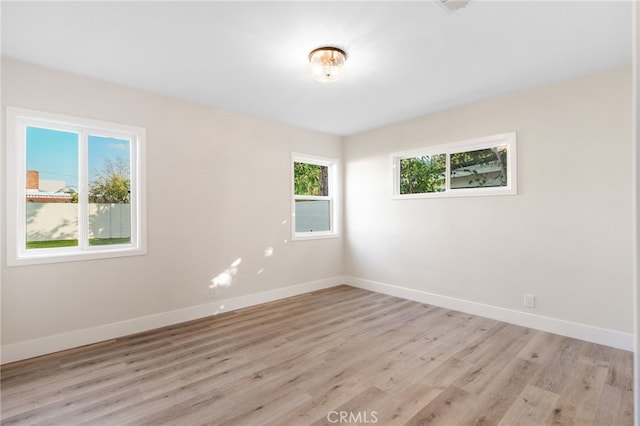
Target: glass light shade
x,y
327,63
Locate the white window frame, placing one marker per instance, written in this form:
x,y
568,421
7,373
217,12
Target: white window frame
x,y
508,139
17,120
332,165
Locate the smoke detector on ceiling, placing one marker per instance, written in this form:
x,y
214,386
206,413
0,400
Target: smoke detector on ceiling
x,y
452,5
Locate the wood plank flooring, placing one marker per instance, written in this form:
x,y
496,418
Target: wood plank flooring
x,y
337,356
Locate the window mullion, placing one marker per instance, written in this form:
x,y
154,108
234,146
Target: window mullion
x,y
447,177
313,197
83,191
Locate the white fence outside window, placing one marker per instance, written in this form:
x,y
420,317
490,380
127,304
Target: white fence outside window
x,y
59,221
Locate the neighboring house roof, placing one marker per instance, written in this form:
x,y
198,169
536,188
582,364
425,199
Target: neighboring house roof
x,y
41,195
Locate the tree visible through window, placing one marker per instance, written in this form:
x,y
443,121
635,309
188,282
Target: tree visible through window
x,y
109,192
112,184
423,174
311,179
78,186
483,166
313,197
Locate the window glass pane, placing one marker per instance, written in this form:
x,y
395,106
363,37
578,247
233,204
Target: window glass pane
x,y
109,190
311,179
313,215
481,168
51,193
424,174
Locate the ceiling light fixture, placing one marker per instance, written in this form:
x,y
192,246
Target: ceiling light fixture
x,y
327,63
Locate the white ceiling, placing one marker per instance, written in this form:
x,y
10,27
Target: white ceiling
x,y
405,58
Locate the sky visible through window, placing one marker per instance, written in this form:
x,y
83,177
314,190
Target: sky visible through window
x,y
54,154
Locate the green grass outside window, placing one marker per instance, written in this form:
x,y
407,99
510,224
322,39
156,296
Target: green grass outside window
x,y
74,243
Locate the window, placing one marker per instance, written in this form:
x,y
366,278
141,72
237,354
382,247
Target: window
x,y
75,187
484,166
314,197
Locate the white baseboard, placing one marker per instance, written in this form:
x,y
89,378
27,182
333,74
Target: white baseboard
x,y
73,339
589,333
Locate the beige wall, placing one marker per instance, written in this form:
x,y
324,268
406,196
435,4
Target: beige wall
x,y
223,177
566,237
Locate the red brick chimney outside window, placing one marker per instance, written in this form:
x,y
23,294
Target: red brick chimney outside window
x,y
33,179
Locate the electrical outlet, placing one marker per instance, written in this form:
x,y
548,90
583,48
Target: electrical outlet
x,y
529,300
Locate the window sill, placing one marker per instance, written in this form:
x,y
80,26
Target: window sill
x,y
305,236
55,256
466,192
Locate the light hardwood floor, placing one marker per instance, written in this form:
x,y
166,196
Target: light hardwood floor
x,y
337,356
